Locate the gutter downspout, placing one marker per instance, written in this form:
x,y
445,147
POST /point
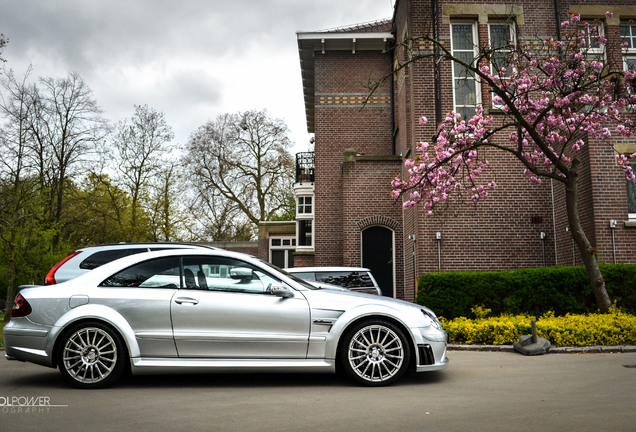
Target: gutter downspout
x,y
557,18
436,66
392,84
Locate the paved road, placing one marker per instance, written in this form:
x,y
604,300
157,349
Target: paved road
x,y
480,391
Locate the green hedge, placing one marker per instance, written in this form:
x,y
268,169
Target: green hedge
x,y
534,291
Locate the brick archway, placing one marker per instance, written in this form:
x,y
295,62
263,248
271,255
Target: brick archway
x,y
378,220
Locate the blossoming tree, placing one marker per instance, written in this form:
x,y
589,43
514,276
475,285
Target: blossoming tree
x,y
553,102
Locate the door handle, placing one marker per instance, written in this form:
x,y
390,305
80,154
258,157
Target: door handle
x,y
186,300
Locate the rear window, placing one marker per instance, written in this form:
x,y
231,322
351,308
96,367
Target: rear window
x,y
345,279
103,257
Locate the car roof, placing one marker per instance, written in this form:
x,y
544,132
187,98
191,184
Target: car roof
x,y
325,269
124,245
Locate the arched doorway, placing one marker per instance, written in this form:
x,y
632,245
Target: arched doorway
x,y
378,256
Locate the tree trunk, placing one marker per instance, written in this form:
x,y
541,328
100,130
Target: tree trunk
x,y
587,252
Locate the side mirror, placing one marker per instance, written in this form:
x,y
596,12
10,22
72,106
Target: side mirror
x,y
281,291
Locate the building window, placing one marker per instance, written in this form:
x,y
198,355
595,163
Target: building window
x,y
631,195
305,233
502,40
466,91
593,49
628,35
305,205
281,251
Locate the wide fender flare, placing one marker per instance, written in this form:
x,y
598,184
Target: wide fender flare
x,y
406,320
101,313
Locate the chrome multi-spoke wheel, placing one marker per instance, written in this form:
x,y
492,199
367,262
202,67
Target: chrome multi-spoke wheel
x,y
375,353
91,356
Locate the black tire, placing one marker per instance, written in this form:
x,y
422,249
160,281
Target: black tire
x,y
374,353
91,355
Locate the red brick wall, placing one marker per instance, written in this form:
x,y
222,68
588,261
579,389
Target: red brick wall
x,y
342,123
503,231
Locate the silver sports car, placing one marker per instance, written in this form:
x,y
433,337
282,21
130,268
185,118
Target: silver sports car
x,y
214,311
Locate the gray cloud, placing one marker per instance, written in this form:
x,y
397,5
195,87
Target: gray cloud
x,y
181,57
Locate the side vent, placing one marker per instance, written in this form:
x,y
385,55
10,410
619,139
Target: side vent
x,y
426,355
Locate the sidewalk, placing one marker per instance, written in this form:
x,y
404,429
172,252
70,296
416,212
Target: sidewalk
x,y
553,349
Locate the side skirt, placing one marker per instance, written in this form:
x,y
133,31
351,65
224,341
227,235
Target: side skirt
x,y
146,366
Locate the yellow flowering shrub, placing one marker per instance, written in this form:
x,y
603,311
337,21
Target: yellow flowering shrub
x,y
614,328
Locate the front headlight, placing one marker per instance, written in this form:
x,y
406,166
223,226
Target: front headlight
x,y
430,316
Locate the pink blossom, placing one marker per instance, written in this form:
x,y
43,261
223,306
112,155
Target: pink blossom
x,y
423,120
561,94
597,65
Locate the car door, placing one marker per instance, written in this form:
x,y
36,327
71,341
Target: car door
x,y
224,310
142,295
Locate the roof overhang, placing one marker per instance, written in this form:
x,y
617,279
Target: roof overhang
x,y
311,44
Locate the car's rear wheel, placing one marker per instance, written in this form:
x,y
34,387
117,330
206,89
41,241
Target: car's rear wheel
x,y
91,355
374,353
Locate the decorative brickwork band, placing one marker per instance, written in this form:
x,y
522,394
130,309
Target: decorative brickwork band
x,y
353,99
378,220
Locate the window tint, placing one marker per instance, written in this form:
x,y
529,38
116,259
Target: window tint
x,y
345,279
100,258
155,273
224,274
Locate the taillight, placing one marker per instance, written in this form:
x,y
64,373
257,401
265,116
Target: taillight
x,y
50,278
21,307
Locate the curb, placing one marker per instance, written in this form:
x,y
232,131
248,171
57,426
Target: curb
x,y
553,349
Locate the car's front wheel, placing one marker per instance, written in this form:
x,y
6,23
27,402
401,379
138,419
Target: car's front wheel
x,y
374,353
91,355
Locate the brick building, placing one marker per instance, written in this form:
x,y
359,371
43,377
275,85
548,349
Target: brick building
x,y
345,214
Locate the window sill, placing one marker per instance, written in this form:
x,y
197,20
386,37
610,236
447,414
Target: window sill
x,y
630,223
304,250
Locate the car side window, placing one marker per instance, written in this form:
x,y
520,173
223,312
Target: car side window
x,y
102,257
224,274
154,273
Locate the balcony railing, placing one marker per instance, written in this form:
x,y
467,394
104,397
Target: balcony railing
x,y
305,167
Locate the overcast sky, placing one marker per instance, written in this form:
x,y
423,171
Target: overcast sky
x,y
191,59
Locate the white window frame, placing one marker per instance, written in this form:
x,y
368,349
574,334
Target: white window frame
x,y
457,79
513,33
301,209
594,53
629,54
289,248
302,247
